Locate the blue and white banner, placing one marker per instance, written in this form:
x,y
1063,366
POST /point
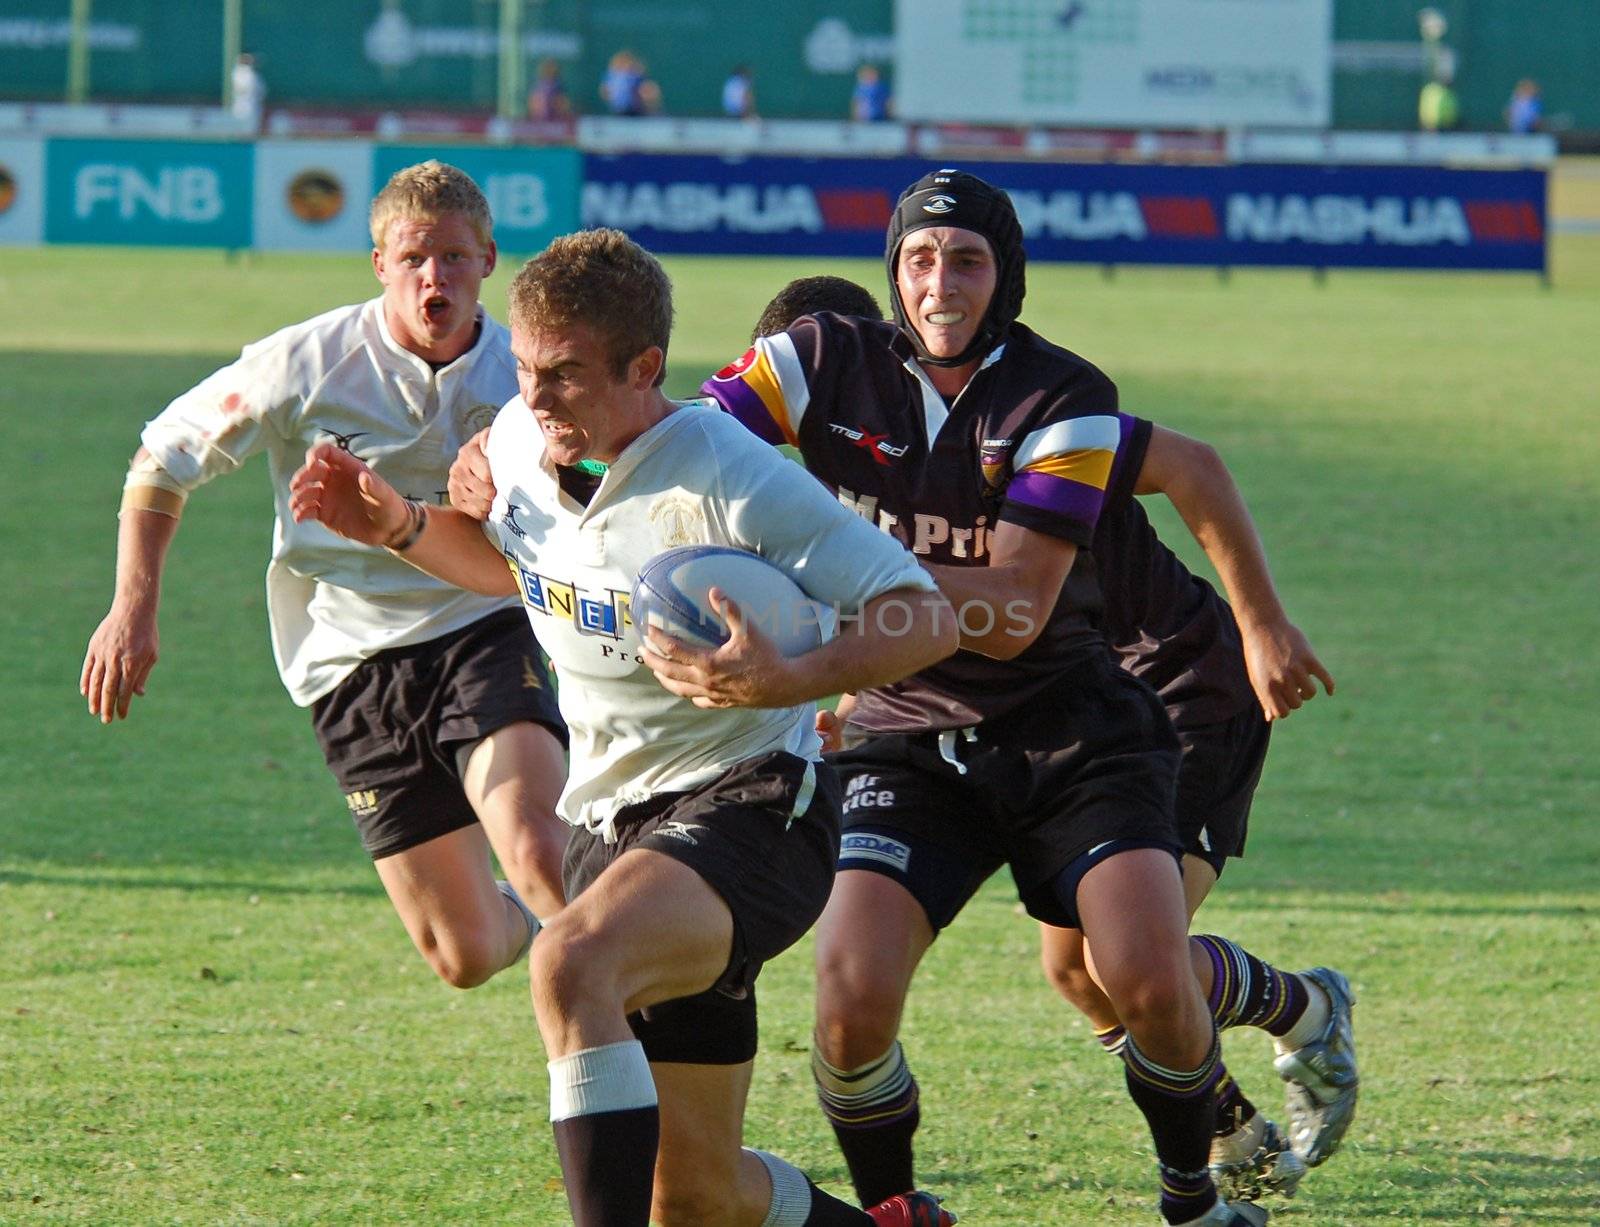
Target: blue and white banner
x,y
1310,216
21,192
179,193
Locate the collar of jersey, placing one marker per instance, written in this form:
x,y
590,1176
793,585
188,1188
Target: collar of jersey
x,y
414,362
636,452
935,411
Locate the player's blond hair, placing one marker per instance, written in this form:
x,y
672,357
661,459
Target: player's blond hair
x,y
600,279
427,191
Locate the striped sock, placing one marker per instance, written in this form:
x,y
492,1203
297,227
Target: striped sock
x,y
874,1113
1232,1109
1245,992
1177,1105
1113,1039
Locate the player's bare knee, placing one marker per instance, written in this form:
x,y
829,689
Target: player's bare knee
x,y
570,963
856,1026
1152,997
852,979
461,960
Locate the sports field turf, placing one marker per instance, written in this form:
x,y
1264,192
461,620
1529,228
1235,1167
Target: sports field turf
x,y
210,1014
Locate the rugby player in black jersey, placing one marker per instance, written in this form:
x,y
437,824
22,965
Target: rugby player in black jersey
x,y
988,450
1222,679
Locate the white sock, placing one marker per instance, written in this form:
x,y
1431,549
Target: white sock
x,y
791,1192
510,892
1318,1010
610,1078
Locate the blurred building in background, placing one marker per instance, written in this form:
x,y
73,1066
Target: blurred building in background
x,y
451,55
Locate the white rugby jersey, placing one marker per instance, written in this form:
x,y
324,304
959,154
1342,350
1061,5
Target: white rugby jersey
x,y
341,378
697,477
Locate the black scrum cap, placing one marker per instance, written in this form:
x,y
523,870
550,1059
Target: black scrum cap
x,y
955,198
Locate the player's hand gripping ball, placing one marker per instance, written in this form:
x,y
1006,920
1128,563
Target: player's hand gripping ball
x,y
672,595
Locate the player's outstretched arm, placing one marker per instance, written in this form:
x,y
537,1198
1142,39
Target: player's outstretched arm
x,y
471,483
1283,667
343,494
124,647
896,634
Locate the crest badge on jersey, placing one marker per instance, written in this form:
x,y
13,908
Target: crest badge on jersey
x,y
992,457
678,521
477,418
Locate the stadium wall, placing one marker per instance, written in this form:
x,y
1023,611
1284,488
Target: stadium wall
x,y
298,195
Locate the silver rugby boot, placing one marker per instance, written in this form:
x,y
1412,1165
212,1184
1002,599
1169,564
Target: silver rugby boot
x,y
1322,1077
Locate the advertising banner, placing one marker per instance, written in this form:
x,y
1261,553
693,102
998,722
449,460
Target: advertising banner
x,y
312,195
533,193
1175,63
183,193
21,192
1311,216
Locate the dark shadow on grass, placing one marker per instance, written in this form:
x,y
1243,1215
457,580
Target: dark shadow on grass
x,y
1522,1187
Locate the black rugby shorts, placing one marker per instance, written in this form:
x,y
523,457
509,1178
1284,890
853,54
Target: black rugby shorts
x,y
1091,760
764,835
390,731
1217,781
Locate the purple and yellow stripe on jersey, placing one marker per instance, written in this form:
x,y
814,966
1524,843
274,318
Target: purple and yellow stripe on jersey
x,y
766,390
1063,469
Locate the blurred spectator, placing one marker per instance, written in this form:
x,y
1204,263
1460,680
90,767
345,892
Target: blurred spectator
x,y
249,91
1437,108
1525,111
739,94
548,100
626,87
870,101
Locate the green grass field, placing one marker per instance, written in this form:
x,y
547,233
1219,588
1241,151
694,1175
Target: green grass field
x,y
209,1013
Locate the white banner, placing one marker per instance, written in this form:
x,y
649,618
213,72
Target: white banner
x,y
1129,63
21,192
312,195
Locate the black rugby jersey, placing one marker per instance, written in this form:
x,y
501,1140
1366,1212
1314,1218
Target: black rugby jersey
x,y
1031,439
1165,624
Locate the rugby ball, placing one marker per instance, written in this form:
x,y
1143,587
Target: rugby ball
x,y
673,590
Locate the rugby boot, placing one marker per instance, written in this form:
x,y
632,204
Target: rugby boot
x,y
1272,1168
1322,1076
1239,1214
911,1210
